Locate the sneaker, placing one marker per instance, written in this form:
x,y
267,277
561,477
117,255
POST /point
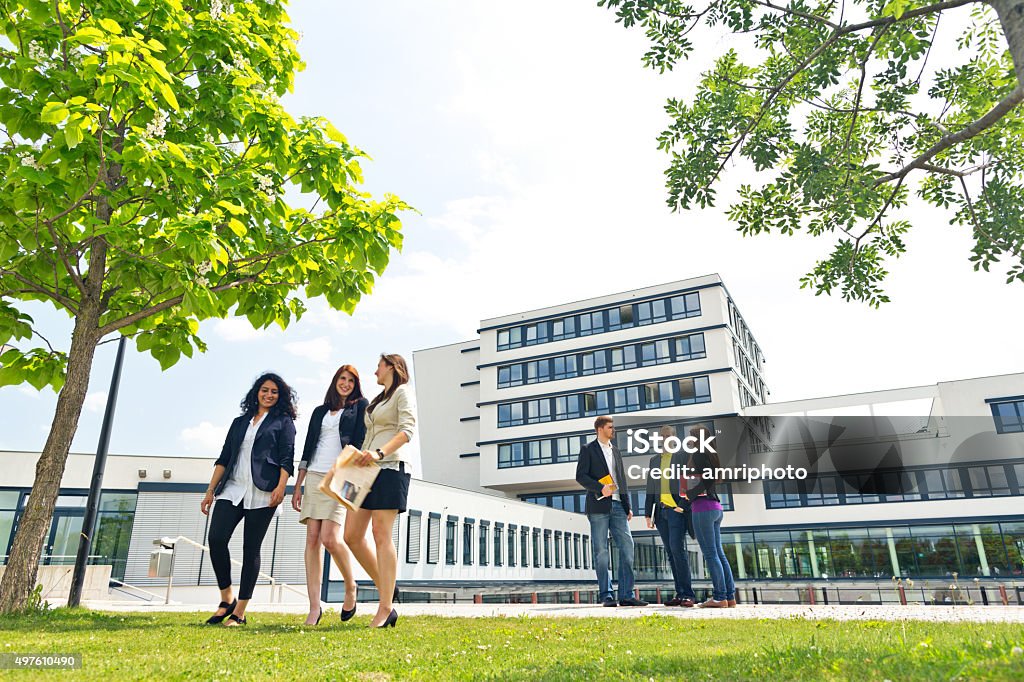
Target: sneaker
x,y
713,604
609,601
630,601
731,603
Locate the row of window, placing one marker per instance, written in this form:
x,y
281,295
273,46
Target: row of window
x,y
934,483
676,307
1009,416
746,370
648,396
483,544
646,354
746,338
969,550
574,500
566,448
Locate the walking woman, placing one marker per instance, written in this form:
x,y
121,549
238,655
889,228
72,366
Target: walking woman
x,y
249,480
390,421
333,425
706,515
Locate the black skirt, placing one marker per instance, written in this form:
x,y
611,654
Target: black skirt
x,y
389,491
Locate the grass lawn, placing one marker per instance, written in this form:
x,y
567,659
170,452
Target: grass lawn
x,y
176,646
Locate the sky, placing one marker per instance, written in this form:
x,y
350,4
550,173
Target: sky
x,y
524,135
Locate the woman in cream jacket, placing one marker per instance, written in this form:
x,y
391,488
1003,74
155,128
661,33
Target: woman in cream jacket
x,y
390,423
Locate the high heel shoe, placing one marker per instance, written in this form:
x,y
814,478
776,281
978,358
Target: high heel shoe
x,y
347,614
391,620
215,619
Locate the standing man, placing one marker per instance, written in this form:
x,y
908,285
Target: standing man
x,y
669,512
601,472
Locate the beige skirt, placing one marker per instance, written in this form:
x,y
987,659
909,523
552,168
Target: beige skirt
x,y
316,505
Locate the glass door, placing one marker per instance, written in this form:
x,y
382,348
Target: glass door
x,y
65,532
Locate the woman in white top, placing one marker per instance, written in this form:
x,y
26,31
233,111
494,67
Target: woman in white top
x,y
390,422
335,424
249,480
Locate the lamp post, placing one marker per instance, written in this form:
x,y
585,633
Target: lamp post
x,y
93,503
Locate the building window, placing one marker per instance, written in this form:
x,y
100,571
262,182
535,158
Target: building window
x,y
688,391
412,545
586,551
547,549
467,542
433,538
511,546
676,307
576,549
524,547
940,482
485,533
1009,416
449,540
567,539
536,548
499,543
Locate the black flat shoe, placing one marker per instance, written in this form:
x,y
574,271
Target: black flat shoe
x,y
347,614
215,620
236,620
319,616
391,620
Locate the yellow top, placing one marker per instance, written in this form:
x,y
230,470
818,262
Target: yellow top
x,y
666,494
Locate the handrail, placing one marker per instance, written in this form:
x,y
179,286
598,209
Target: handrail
x,y
172,543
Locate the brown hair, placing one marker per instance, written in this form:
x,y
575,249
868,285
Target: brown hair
x,y
333,399
713,461
601,422
397,363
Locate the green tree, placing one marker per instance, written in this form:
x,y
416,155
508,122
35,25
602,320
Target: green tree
x,y
145,164
835,104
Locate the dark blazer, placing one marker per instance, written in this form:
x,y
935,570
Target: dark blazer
x,y
654,484
590,468
352,427
272,451
706,486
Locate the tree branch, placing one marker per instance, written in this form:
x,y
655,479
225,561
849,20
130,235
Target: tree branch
x,y
967,132
40,289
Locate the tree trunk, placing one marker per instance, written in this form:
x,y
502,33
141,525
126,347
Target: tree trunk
x,y
23,564
1011,18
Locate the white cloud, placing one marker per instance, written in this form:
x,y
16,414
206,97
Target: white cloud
x,y
96,401
27,389
206,438
316,350
239,329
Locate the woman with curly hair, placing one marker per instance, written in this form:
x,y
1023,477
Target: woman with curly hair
x,y
249,480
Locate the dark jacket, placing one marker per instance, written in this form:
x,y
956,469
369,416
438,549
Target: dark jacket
x,y
272,451
675,485
352,427
590,468
706,486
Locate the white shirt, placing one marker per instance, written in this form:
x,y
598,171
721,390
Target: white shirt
x,y
609,459
328,447
240,488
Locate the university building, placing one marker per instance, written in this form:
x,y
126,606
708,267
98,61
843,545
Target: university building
x,y
521,399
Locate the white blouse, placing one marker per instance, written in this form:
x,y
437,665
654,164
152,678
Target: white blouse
x,y
328,447
240,488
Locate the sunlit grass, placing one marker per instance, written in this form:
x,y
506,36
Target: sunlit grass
x,y
177,646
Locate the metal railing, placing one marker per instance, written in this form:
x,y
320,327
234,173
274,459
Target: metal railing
x,y
276,586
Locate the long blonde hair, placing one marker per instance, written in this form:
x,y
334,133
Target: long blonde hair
x,y
397,363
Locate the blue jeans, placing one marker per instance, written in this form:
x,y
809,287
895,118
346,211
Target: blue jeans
x,y
708,527
671,526
600,525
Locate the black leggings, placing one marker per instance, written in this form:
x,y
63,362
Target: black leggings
x,y
222,524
